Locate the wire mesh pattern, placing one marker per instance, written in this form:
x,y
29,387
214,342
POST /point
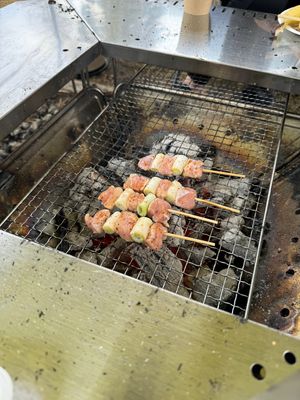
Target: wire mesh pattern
x,y
229,126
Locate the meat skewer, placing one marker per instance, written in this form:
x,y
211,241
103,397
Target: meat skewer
x,y
159,210
178,165
171,191
131,228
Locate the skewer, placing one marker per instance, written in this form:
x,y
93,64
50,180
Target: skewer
x,y
140,228
214,171
212,203
211,221
204,242
283,16
187,167
169,210
195,198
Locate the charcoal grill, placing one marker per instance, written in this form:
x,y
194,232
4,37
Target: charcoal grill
x,y
239,136
232,126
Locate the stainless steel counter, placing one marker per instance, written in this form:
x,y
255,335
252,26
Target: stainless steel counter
x,y
72,330
39,42
230,43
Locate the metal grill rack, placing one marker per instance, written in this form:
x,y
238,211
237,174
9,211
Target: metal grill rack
x,y
230,126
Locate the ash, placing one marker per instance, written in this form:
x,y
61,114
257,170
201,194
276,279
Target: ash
x,y
162,268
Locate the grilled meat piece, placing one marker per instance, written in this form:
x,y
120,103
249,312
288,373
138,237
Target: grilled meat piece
x,y
125,224
185,198
95,223
158,211
136,182
156,236
109,196
146,162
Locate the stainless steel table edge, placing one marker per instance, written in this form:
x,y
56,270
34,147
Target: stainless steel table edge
x,y
70,329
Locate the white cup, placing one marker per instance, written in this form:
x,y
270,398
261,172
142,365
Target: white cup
x,y
6,385
197,7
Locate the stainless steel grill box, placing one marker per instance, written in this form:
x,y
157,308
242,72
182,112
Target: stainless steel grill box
x,y
77,306
215,121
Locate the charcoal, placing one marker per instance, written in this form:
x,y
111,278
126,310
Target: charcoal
x,y
25,125
13,146
208,163
176,144
220,193
162,268
3,153
111,177
238,203
68,213
42,110
35,125
250,202
233,221
52,109
141,276
47,117
88,207
196,230
48,228
16,132
220,200
239,187
199,256
176,225
228,188
77,240
87,256
219,287
122,167
81,199
239,244
90,182
45,218
111,256
83,195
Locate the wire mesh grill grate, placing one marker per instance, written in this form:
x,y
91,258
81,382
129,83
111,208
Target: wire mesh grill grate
x,y
230,126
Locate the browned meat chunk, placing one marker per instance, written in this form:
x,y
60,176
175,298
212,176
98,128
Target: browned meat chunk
x,y
126,222
163,188
109,196
134,200
96,222
136,182
165,167
146,162
158,211
185,198
156,236
193,169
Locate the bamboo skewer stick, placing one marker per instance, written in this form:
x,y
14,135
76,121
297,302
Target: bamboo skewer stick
x,y
214,171
204,242
211,221
284,16
212,203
